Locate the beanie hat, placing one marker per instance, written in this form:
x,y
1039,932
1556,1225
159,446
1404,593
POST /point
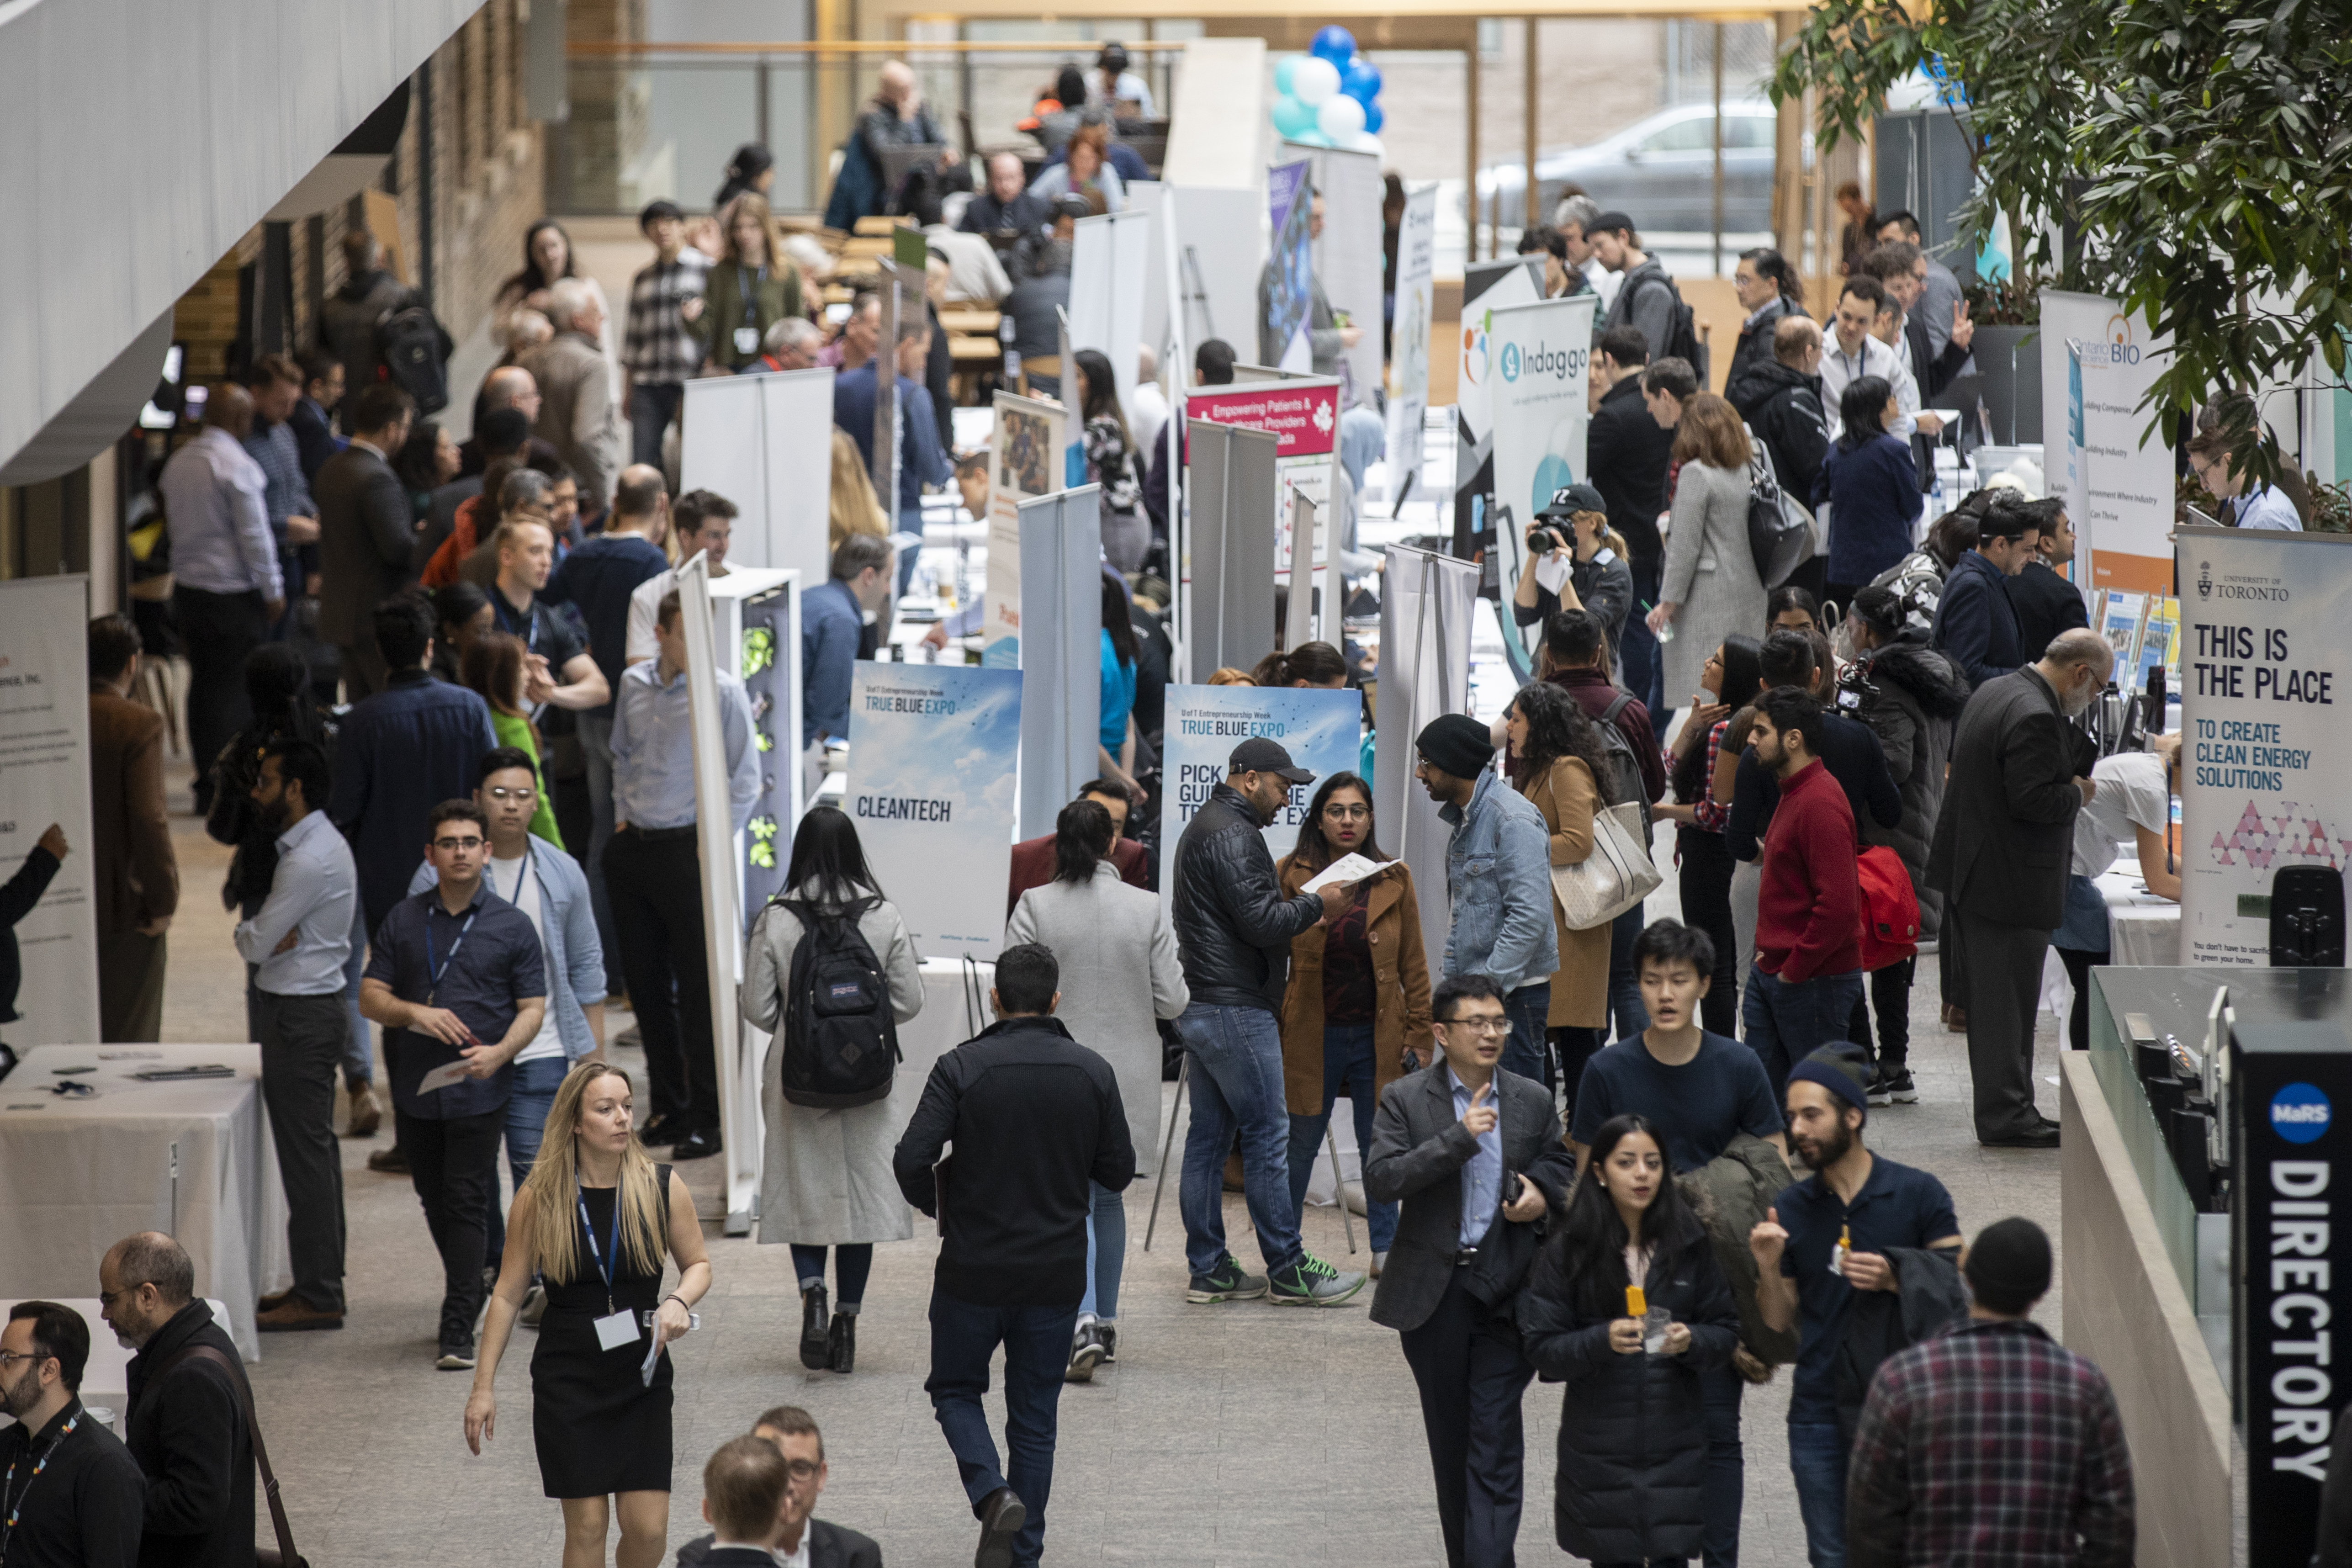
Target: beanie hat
x,y
2007,1265
1457,743
1840,1068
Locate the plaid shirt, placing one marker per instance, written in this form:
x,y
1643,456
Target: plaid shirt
x,y
658,349
286,493
1989,1445
1706,811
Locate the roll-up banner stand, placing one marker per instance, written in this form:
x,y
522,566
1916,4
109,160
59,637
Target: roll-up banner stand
x,y
931,785
902,297
1322,731
755,630
44,779
1025,462
765,442
1427,604
1286,290
1486,287
1230,479
2266,679
1303,412
1061,658
1110,257
1348,257
1540,356
2118,473
1410,338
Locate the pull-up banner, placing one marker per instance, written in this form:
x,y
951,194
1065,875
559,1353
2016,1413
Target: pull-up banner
x,y
1321,730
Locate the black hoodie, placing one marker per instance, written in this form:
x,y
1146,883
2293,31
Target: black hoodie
x,y
1911,696
1783,407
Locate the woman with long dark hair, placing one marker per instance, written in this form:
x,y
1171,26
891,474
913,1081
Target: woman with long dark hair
x,y
1354,1017
826,1180
1871,484
754,169
1121,651
1110,462
1120,974
1311,664
1791,608
1558,763
494,667
1700,772
546,257
1632,1430
425,461
461,612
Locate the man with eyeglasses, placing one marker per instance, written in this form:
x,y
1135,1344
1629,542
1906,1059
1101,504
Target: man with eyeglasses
x,y
800,1540
551,890
73,1495
455,978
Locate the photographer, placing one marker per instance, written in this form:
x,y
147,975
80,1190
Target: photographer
x,y
1573,532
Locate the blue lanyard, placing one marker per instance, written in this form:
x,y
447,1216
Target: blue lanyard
x,y
17,1507
603,1263
433,971
514,898
528,629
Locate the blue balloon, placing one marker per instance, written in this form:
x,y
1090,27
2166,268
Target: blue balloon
x,y
1337,44
1284,69
1312,137
1373,118
1292,118
1360,79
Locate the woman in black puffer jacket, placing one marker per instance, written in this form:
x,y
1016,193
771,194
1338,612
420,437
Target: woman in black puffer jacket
x,y
1633,1429
1911,696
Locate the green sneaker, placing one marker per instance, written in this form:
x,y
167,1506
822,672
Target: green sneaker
x,y
1311,1282
1226,1282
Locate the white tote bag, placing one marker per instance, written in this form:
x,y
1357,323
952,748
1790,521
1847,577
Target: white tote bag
x,y
1614,878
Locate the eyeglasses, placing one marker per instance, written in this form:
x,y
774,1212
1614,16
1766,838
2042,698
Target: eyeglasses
x,y
10,1358
1348,812
525,795
1489,1026
453,845
804,1469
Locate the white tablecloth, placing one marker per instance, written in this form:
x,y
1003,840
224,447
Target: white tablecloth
x,y
2142,929
77,1176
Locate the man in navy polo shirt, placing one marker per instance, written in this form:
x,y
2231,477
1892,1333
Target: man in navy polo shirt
x,y
455,977
1824,1239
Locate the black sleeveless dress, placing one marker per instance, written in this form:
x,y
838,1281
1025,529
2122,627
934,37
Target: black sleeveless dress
x,y
598,1428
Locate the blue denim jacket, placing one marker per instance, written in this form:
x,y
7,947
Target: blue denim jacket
x,y
575,958
1499,870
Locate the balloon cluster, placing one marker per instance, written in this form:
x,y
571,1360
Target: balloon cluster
x,y
1330,97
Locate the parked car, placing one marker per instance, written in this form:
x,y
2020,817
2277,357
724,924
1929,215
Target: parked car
x,y
1659,170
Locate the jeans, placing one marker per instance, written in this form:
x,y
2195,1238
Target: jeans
x,y
1349,1067
359,1057
652,405
595,731
1788,1021
1890,999
1817,1458
657,887
1638,653
524,1121
1625,1009
1036,1341
1468,1366
1236,1085
1727,1469
853,1265
1706,905
453,1163
1106,1253
1524,1052
301,1042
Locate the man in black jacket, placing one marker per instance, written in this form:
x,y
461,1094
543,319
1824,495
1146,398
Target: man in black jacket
x,y
85,1512
366,535
1233,929
1034,1117
2004,840
185,1422
2046,602
793,1432
1627,452
1781,398
1006,207
347,320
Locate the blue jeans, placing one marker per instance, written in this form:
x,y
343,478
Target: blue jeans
x,y
1036,1341
852,1263
524,1121
1787,1021
1625,1009
1236,1084
1106,1253
1817,1457
359,1060
1639,656
596,751
1349,1066
1524,1052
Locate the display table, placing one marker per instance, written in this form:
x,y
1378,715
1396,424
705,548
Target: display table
x,y
106,1377
2143,931
80,1175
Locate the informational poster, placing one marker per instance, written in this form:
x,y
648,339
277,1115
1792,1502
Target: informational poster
x,y
1486,287
1111,264
1287,290
931,783
44,781
1321,730
1540,356
2120,473
2266,676
1304,412
1025,462
1409,335
1349,259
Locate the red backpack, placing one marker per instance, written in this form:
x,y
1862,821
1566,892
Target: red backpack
x,y
1890,908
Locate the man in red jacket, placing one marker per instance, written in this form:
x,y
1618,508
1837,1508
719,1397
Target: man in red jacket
x,y
1806,975
1033,859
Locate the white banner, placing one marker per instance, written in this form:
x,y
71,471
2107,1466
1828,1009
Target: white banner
x,y
1025,462
2265,677
765,442
1427,602
1541,356
1109,257
1410,335
2119,483
44,779
1347,260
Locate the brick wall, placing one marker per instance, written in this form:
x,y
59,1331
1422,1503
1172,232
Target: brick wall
x,y
205,316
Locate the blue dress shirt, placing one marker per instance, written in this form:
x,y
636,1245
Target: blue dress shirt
x,y
312,894
831,624
487,969
920,461
1482,1178
221,538
653,749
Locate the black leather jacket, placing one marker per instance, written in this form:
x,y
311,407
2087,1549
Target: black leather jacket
x,y
1233,925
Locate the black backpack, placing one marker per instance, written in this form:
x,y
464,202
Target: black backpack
x,y
1622,773
416,355
841,1040
1682,338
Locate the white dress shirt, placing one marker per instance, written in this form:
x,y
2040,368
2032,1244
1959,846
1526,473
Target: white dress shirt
x,y
312,894
2266,506
1840,369
214,502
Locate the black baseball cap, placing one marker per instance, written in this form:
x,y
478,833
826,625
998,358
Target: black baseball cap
x,y
1259,756
1569,500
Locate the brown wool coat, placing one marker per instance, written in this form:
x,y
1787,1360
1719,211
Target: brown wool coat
x,y
1400,1024
1567,796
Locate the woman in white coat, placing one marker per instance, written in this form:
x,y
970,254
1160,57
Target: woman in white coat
x,y
1120,972
826,1179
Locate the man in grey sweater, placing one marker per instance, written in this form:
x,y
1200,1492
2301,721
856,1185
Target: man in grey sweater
x,y
1646,296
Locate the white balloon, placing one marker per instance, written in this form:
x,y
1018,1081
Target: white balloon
x,y
1340,118
1365,142
1316,82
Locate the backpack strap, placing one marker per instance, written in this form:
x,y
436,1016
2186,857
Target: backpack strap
x,y
243,1392
1624,700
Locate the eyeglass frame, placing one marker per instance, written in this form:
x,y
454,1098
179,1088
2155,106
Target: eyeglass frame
x,y
1491,1027
456,846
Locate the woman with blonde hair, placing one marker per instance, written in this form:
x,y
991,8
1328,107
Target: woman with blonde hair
x,y
753,285
1709,589
596,1219
492,665
854,507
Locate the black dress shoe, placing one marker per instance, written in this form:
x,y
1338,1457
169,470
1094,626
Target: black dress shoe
x,y
1000,1519
840,1348
660,1129
2043,1135
816,1347
698,1145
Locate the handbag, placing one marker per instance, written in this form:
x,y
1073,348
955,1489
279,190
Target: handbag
x,y
1614,878
283,1555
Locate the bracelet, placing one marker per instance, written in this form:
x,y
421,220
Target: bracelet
x,y
681,1300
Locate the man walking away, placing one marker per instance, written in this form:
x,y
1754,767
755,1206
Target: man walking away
x,y
347,321
2004,842
653,870
137,873
658,355
1629,456
1233,929
185,1424
1473,1152
300,938
1497,868
576,415
1807,976
1647,300
1780,399
1034,1117
86,1513
1976,624
366,537
1936,1476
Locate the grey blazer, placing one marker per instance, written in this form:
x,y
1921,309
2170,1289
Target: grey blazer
x,y
1419,1147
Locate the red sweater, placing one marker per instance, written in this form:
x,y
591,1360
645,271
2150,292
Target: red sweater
x,y
1808,905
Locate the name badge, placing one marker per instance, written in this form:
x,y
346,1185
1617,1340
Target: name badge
x,y
616,1330
747,340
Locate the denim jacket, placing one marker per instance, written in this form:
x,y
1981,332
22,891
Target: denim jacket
x,y
575,958
1499,870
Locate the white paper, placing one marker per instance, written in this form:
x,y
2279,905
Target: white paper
x,y
1551,571
652,1355
441,1076
1346,868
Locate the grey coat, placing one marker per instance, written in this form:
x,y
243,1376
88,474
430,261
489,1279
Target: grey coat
x,y
1710,573
1116,947
825,1177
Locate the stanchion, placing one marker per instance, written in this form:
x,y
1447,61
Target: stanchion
x,y
1184,1071
1339,1186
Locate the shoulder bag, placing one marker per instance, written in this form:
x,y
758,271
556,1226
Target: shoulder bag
x,y
285,1556
1618,874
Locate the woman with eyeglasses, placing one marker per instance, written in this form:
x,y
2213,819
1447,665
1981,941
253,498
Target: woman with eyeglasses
x,y
1355,1017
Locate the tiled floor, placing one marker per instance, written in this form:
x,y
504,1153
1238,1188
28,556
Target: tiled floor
x,y
1227,1436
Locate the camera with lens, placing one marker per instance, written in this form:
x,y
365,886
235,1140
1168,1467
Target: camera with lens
x,y
1546,535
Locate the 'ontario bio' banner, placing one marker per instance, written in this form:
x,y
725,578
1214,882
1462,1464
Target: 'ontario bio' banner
x,y
1322,731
